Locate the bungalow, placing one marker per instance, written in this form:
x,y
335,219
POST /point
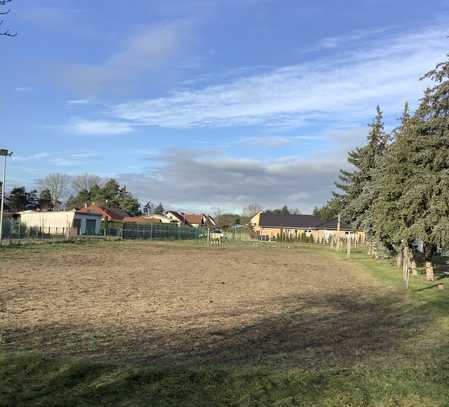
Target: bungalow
x,y
107,214
200,220
196,221
271,226
142,219
69,223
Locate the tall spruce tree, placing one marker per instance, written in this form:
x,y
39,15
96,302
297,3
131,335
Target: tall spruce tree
x,y
358,186
425,200
389,222
413,189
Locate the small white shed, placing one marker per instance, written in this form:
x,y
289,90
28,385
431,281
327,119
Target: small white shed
x,y
62,222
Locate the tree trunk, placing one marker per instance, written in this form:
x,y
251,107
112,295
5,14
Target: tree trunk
x,y
400,258
413,262
375,253
405,264
429,271
428,253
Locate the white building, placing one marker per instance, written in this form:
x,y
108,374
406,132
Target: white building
x,y
70,223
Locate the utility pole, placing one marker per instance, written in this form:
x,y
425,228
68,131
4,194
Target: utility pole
x,y
3,153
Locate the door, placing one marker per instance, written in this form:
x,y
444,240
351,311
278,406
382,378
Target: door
x,y
91,225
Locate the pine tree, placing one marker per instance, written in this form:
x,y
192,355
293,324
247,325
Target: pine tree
x,y
425,201
388,220
358,186
45,201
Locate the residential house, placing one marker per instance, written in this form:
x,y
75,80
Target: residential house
x,y
107,214
194,220
270,226
175,217
69,223
142,219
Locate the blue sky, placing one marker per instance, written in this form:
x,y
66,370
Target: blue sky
x,y
208,104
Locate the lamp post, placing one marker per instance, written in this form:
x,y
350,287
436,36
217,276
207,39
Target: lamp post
x,y
3,153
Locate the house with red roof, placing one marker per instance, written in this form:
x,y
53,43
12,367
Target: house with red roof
x,y
109,214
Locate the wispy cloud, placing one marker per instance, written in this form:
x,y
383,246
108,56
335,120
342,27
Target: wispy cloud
x,y
98,127
276,141
341,90
58,158
147,48
23,89
32,157
266,141
354,36
78,102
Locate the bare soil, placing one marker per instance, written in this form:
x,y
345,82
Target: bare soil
x,y
179,304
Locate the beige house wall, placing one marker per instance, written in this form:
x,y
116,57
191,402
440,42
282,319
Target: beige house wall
x,y
49,222
296,233
58,223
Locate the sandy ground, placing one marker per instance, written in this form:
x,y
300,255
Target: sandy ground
x,y
177,304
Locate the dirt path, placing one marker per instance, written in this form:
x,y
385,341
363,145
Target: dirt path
x,y
174,304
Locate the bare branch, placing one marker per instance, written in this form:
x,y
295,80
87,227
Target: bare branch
x,y
6,33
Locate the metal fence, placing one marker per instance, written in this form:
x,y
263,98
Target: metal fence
x,y
16,232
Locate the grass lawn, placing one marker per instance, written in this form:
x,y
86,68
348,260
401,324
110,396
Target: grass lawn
x,y
179,324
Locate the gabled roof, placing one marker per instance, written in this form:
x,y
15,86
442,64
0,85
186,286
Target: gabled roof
x,y
194,219
300,221
333,225
110,213
177,215
141,219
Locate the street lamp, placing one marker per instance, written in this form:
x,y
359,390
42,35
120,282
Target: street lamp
x,y
3,153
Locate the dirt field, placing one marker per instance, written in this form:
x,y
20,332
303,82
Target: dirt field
x,y
175,304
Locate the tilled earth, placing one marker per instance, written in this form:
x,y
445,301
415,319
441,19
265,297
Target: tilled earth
x,y
175,304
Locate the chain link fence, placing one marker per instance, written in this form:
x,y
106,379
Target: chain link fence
x,y
16,232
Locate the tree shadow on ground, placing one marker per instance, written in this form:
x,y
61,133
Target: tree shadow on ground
x,y
309,332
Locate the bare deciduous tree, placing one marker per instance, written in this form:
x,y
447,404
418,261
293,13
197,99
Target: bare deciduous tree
x,y
85,182
252,209
57,184
3,12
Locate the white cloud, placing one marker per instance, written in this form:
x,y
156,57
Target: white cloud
x,y
357,35
32,157
276,141
78,102
198,181
266,141
342,90
99,128
23,89
147,48
57,158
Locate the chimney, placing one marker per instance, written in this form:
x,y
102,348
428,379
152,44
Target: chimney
x,y
338,222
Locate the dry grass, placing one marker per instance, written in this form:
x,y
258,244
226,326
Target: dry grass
x,y
174,304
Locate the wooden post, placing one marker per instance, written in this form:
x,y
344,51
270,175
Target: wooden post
x,y
400,258
429,271
405,266
413,265
348,245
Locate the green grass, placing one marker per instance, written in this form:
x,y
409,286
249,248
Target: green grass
x,y
410,377
30,380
